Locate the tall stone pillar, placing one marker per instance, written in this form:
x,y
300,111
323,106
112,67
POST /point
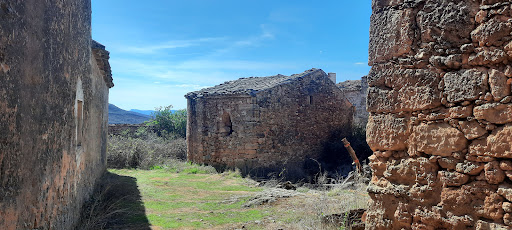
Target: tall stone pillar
x,y
441,114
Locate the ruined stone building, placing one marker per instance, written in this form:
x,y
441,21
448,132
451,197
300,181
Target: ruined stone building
x,y
54,84
268,124
355,91
441,114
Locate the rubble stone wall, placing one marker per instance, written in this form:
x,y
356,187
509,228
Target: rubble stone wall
x,y
53,113
119,129
276,130
441,114
355,91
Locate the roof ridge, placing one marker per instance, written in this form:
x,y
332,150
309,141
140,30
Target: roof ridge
x,y
249,85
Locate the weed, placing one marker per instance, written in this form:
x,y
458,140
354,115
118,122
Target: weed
x,y
144,151
156,167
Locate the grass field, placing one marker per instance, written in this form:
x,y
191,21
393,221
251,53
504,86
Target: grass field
x,y
193,198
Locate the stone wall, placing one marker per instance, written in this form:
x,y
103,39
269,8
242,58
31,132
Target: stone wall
x,y
276,130
53,113
441,114
355,91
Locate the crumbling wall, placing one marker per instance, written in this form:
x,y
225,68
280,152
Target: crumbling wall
x,y
355,91
441,114
277,130
53,113
121,129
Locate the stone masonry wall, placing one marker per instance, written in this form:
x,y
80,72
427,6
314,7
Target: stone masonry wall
x,y
53,113
355,91
441,114
276,130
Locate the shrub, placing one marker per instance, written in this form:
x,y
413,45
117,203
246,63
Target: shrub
x,y
143,150
167,123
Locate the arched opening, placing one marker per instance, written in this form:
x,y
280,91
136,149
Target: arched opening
x,y
225,127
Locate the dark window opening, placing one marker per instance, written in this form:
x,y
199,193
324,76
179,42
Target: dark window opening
x,y
226,127
310,100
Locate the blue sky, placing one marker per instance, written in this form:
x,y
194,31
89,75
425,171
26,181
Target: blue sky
x,y
162,49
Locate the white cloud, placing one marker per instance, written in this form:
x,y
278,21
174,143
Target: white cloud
x,y
360,63
151,49
253,41
193,72
189,86
231,65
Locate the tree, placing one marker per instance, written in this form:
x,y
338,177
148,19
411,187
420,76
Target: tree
x,y
167,123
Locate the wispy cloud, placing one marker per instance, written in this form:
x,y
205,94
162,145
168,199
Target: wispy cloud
x,y
265,34
150,49
199,72
230,65
360,63
189,86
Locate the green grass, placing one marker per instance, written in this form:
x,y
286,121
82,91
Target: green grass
x,y
192,198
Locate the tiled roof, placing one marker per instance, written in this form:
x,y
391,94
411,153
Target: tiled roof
x,y
250,85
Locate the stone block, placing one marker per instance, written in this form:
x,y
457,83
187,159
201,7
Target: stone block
x,y
472,129
452,178
484,225
492,207
460,112
495,113
381,100
403,214
491,32
507,219
394,89
469,167
507,207
493,173
506,165
464,85
497,144
386,132
508,49
498,85
446,22
448,163
480,158
487,56
436,139
396,77
505,190
476,198
391,34
411,171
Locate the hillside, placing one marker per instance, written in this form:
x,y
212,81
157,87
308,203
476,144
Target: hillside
x,y
145,112
117,115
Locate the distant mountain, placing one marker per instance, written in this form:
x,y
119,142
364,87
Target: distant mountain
x,y
146,112
117,115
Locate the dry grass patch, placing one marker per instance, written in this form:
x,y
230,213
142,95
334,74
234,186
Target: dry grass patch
x,y
171,200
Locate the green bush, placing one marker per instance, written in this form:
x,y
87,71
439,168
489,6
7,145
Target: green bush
x,y
167,123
